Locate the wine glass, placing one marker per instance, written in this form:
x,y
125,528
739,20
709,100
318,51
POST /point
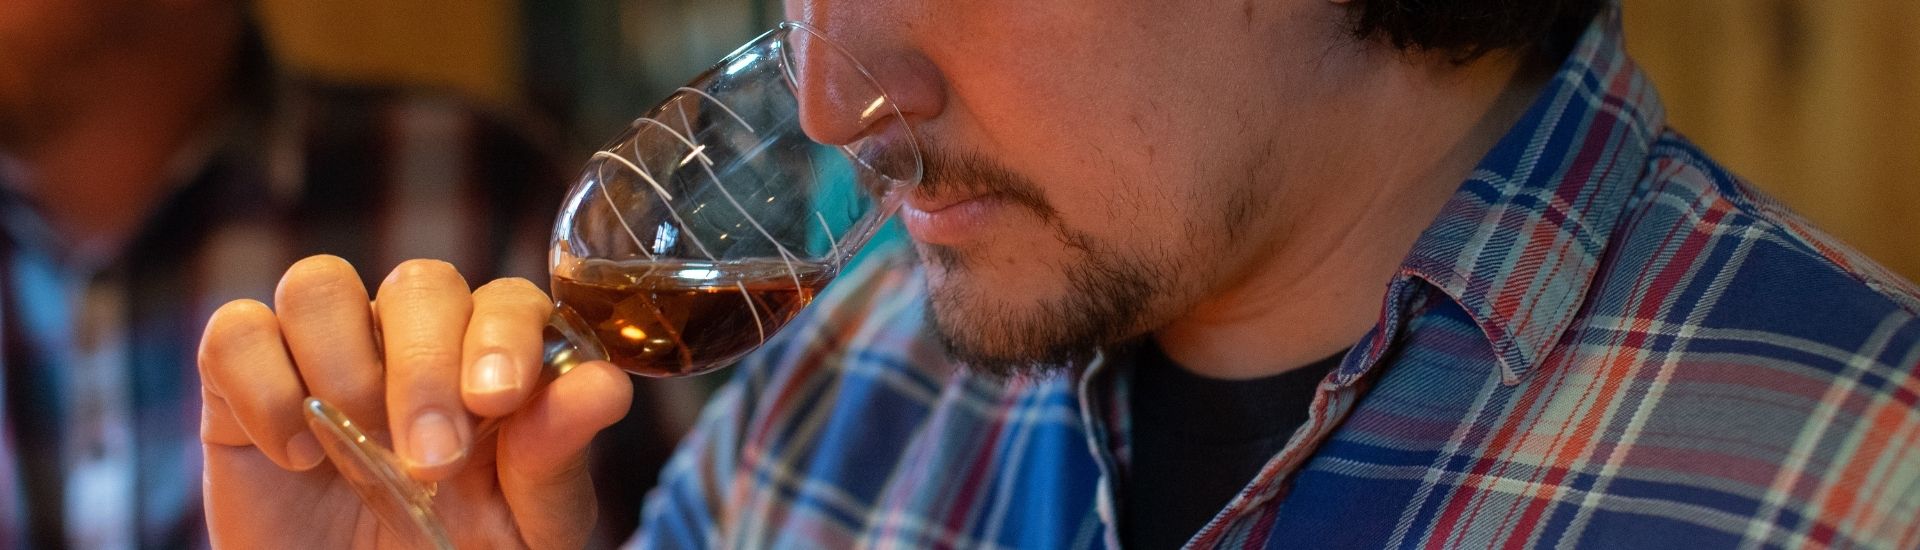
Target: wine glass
x,y
695,235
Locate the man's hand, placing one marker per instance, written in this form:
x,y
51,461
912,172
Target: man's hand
x,y
427,359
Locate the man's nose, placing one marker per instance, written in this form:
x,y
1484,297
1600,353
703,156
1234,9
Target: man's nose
x,y
852,82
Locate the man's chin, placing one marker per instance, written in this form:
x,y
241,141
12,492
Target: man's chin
x,y
1007,327
993,337
989,351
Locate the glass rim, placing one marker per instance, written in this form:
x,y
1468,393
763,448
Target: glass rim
x,y
912,138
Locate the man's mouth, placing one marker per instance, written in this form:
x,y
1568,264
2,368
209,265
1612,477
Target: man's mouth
x,y
961,197
918,199
947,218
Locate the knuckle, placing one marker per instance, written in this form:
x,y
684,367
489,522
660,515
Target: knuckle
x,y
517,296
319,280
322,265
262,409
263,397
497,324
426,356
486,318
237,327
242,308
423,280
425,270
323,260
327,302
513,287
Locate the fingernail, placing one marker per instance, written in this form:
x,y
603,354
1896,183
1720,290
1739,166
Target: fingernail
x,y
433,440
304,451
491,374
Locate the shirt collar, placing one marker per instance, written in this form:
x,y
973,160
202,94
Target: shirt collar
x,y
1519,243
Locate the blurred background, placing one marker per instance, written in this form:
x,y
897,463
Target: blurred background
x,y
1813,101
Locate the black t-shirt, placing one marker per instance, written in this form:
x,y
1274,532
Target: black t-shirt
x,y
1197,441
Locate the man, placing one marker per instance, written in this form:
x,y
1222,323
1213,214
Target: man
x,y
153,166
1300,273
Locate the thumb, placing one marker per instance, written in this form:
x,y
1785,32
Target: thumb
x,y
543,454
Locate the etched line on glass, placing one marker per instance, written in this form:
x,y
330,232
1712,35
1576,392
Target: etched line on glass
x,y
786,257
723,106
676,135
637,170
684,228
831,245
615,205
813,176
753,310
699,151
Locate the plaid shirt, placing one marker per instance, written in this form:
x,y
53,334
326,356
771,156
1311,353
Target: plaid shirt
x,y
1604,340
101,397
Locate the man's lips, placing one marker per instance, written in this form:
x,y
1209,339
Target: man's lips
x,y
936,203
947,219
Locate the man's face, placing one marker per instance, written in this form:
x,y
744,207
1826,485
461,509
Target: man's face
x,y
1094,168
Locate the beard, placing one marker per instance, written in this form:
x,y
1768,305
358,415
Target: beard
x,y
1107,296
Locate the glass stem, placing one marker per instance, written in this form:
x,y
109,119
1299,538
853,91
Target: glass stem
x,y
403,505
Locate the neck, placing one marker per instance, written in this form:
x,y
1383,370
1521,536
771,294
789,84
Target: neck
x,y
98,144
1389,159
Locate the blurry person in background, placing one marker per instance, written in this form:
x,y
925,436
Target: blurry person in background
x,y
153,165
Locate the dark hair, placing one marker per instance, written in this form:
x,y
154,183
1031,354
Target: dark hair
x,y
1467,29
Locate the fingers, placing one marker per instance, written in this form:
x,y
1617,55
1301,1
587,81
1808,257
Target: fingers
x,y
424,307
242,349
329,330
218,426
503,346
543,452
429,331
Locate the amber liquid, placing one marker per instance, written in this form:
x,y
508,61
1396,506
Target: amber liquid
x,y
661,318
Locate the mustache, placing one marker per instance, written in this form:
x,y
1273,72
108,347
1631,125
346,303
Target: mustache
x,y
948,172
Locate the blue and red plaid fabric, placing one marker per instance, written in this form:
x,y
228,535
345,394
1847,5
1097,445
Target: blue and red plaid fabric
x,y
1604,340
